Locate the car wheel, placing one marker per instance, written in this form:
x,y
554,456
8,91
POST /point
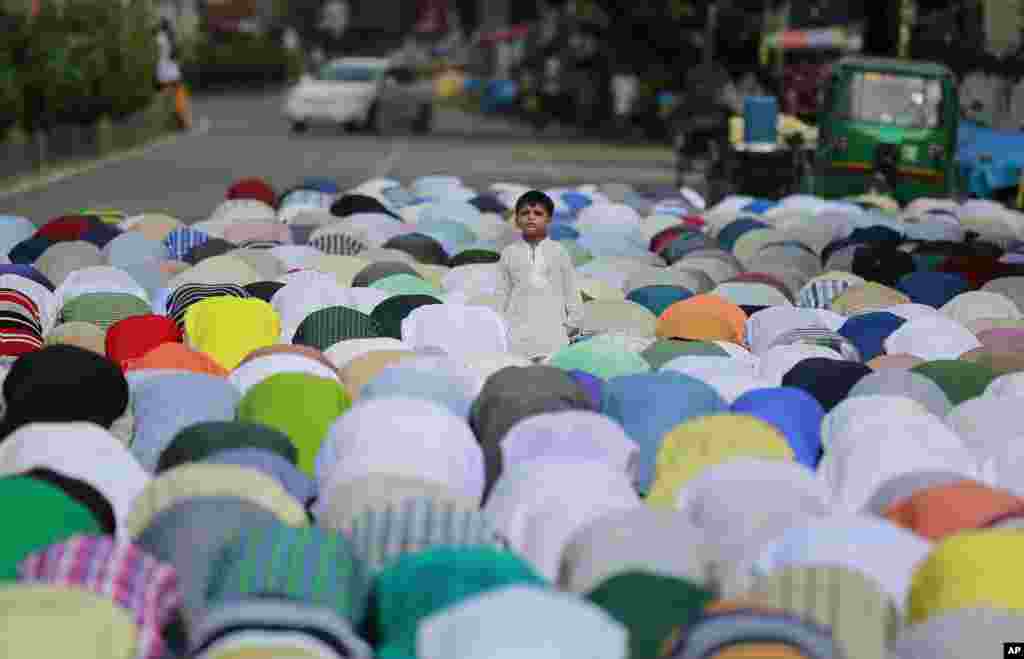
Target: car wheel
x,y
424,119
299,126
370,125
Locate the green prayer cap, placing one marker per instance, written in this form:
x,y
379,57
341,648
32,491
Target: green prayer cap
x,y
38,515
959,380
419,585
301,406
651,606
201,440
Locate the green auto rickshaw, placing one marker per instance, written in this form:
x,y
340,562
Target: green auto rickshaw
x,y
887,126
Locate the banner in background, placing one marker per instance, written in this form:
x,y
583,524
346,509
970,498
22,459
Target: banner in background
x,y
832,38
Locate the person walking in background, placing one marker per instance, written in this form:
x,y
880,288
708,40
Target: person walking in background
x,y
168,74
625,88
537,283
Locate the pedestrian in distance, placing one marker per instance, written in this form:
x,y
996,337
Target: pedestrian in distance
x,y
168,74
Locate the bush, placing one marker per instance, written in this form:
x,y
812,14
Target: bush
x,y
11,94
88,59
240,60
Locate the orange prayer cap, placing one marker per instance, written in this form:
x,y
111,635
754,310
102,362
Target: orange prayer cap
x,y
730,605
176,356
710,305
694,325
901,361
942,510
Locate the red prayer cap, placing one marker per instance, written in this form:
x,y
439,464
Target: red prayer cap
x,y
662,240
253,188
978,270
66,227
134,337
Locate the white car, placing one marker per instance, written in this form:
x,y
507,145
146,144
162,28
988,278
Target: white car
x,y
358,93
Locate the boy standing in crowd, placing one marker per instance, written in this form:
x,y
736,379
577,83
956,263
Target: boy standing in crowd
x,y
537,283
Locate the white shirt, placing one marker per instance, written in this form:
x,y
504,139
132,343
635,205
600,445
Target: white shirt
x,y
167,69
540,297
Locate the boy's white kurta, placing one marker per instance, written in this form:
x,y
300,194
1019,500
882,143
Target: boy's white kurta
x,y
540,298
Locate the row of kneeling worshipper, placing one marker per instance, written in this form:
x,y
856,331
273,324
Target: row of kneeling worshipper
x,y
296,428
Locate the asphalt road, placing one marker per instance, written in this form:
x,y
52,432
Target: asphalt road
x,y
245,135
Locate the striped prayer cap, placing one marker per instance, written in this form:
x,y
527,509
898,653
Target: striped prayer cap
x,y
819,294
21,327
188,294
308,564
322,329
337,241
183,240
121,571
728,631
381,535
260,244
12,296
819,336
274,627
16,342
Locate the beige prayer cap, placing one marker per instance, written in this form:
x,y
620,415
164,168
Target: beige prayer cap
x,y
80,334
364,368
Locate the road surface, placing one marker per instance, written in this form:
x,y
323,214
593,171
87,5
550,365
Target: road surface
x,y
245,135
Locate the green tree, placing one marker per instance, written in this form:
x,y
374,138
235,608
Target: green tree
x,y
11,95
83,60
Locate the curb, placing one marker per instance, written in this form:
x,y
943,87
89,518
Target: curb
x,y
595,152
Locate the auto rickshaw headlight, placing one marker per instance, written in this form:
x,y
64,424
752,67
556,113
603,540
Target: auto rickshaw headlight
x,y
936,151
841,143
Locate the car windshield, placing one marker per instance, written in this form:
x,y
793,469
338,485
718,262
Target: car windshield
x,y
903,101
343,72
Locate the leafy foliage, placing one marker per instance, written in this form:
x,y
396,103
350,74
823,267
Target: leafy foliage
x,y
76,63
11,99
240,59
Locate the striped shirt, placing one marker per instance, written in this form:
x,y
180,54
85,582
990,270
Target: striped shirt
x,y
183,240
130,577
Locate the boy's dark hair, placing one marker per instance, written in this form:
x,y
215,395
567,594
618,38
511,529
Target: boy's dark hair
x,y
535,197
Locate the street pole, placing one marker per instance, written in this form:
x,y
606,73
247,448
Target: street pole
x,y
780,53
908,16
710,28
